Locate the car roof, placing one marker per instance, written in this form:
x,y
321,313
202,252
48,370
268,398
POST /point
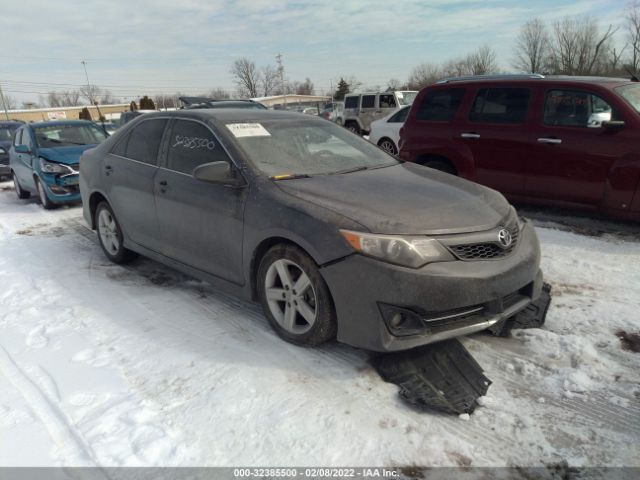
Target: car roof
x,y
532,79
225,115
10,123
61,122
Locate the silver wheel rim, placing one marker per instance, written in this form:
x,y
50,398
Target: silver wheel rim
x,y
388,147
291,297
108,232
41,192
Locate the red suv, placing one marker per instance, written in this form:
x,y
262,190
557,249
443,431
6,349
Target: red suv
x,y
567,141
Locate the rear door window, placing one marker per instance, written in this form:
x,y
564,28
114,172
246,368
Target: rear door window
x,y
368,101
351,102
572,108
192,144
440,105
500,105
144,141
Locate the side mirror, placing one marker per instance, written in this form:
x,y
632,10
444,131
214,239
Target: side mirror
x,y
597,119
22,149
215,172
613,125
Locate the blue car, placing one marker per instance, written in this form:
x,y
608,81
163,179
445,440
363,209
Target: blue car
x,y
44,159
6,135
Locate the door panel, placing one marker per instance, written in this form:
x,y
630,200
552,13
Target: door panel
x,y
496,134
201,223
570,160
130,189
129,174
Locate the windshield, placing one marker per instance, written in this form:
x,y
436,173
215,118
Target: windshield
x,y
65,135
283,148
631,93
406,98
6,133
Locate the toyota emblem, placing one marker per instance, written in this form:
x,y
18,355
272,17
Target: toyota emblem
x,y
504,237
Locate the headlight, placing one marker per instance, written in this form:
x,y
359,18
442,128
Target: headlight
x,y
409,251
50,167
2,151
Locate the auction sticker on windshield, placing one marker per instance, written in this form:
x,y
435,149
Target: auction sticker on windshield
x,y
248,130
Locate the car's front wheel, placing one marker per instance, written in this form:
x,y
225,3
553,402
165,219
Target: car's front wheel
x,y
16,185
388,146
110,235
295,297
42,195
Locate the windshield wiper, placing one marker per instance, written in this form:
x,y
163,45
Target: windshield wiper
x,y
292,176
350,170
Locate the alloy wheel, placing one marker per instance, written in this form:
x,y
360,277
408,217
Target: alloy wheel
x,y
389,147
108,232
290,296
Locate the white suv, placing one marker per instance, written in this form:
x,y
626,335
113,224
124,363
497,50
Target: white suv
x,y
360,109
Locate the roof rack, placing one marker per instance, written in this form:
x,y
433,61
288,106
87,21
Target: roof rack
x,y
492,77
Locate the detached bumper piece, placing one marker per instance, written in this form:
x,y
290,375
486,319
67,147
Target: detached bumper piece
x,y
443,377
533,316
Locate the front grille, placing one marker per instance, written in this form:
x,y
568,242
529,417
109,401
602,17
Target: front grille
x,y
486,251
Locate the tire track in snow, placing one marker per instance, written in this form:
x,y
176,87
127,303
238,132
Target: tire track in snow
x,y
75,450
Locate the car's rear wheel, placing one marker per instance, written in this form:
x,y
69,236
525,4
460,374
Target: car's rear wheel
x,y
110,235
295,297
42,195
16,185
387,145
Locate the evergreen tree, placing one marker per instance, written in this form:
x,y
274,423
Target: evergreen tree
x,y
84,114
147,104
343,89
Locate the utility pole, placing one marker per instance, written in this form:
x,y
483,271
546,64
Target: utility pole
x,y
281,72
89,91
4,104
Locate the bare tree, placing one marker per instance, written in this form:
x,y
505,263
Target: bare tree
x,y
482,61
218,93
532,47
246,77
424,74
91,93
10,102
304,88
578,47
269,80
632,27
106,98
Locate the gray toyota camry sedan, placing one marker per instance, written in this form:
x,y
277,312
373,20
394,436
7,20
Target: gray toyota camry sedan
x,y
333,236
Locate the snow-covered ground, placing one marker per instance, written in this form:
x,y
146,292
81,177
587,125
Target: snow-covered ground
x,y
139,365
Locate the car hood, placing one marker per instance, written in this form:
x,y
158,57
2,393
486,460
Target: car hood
x,y
404,199
67,155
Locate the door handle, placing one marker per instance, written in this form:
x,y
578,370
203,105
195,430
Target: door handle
x,y
163,183
163,186
108,169
551,141
470,135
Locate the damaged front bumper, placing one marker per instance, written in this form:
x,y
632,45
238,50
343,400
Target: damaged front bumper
x,y
384,307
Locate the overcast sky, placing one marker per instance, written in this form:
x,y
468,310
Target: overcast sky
x,y
153,46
